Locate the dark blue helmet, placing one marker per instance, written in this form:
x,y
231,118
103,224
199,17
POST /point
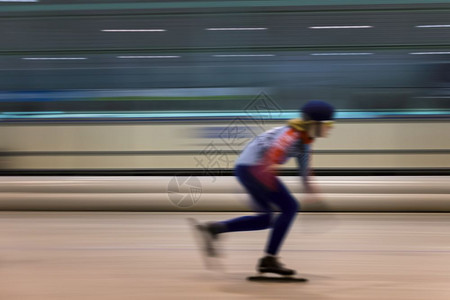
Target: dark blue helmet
x,y
318,110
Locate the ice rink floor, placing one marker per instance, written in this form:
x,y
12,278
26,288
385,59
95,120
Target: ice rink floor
x,y
101,255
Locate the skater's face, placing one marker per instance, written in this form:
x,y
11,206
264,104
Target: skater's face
x,y
326,128
320,129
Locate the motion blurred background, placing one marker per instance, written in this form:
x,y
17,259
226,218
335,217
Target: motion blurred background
x,y
158,87
137,110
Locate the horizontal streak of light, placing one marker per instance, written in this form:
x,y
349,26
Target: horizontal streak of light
x,y
151,56
235,29
133,30
432,26
332,54
243,55
428,53
339,27
54,58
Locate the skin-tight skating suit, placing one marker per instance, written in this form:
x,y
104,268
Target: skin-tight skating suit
x,y
254,170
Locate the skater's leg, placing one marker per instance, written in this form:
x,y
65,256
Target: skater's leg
x,y
262,220
289,207
247,223
259,194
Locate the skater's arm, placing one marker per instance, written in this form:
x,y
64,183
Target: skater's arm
x,y
303,159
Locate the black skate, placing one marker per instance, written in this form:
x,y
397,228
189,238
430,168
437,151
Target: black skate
x,y
207,239
270,264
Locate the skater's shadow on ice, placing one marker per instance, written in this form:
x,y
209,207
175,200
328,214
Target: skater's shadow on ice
x,y
236,283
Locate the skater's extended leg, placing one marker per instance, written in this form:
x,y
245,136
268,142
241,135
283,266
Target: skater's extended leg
x,y
263,220
247,223
211,231
260,198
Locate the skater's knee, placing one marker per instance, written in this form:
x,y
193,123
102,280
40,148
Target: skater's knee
x,y
291,209
266,220
296,207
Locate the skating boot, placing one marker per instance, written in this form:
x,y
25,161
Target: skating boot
x,y
270,264
209,235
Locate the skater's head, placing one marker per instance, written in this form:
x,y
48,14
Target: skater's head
x,y
319,117
318,110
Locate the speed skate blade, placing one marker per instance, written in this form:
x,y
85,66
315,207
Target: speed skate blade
x,y
276,278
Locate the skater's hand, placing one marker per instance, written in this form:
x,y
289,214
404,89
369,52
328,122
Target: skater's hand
x,y
311,193
308,188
